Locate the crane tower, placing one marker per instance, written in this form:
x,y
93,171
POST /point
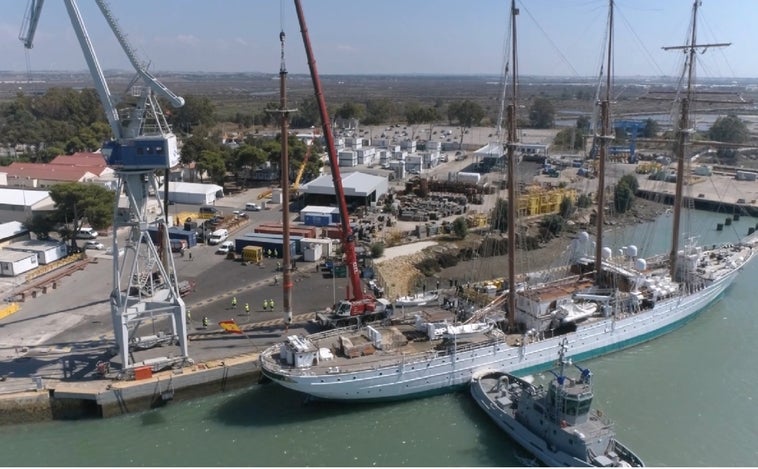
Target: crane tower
x,y
145,291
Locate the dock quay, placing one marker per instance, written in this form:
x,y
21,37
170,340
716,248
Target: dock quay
x,y
716,193
104,397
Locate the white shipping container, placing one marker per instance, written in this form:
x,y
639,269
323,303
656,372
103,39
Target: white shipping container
x,y
312,253
327,245
13,263
46,251
470,178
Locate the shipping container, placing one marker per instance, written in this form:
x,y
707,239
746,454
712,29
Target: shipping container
x,y
313,252
745,176
317,219
46,251
175,233
13,263
267,244
277,237
297,230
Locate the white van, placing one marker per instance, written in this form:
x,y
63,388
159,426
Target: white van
x,y
225,247
218,236
86,233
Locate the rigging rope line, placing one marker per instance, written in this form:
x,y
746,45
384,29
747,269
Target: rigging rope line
x,y
549,40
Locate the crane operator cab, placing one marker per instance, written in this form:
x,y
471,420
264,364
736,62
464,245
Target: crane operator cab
x,y
150,151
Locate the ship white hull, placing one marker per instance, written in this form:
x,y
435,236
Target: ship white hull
x,y
436,372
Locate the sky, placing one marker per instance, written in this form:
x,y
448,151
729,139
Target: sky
x,y
450,37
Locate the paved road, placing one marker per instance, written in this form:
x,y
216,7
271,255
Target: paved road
x,y
64,333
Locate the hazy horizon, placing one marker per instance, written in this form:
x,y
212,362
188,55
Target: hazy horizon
x,y
391,37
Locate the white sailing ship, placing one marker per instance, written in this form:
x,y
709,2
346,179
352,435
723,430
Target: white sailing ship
x,y
609,303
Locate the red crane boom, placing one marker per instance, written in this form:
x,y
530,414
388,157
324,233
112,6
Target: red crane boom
x,y
348,239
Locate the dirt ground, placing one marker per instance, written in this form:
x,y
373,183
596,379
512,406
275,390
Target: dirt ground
x,y
402,277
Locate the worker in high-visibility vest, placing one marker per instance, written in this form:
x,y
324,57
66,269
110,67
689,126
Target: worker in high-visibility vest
x,y
265,305
271,304
205,322
247,308
234,302
189,316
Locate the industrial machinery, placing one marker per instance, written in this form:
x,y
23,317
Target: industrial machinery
x,y
357,302
145,286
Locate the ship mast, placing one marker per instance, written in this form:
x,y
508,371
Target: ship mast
x,y
511,212
604,137
285,184
684,130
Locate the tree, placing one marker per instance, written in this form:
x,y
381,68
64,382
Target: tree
x,y
466,113
542,114
631,181
378,111
623,197
460,227
76,202
566,208
197,111
499,219
571,138
41,224
377,250
583,123
730,129
583,201
551,226
307,114
212,162
351,110
415,115
195,145
651,128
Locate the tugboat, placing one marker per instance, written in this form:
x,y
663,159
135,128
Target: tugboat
x,y
557,425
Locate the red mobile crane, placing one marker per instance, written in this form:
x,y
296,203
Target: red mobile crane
x,y
360,304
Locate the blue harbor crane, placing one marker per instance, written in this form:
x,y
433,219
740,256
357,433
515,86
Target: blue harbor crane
x,y
145,285
632,128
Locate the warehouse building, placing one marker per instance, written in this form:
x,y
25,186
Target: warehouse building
x,y
361,189
192,193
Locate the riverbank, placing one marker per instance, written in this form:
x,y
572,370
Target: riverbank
x,y
403,276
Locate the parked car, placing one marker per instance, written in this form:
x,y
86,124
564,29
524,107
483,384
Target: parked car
x,y
94,245
86,233
240,213
253,207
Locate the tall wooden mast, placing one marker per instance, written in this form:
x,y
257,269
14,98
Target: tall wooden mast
x,y
605,136
512,202
684,130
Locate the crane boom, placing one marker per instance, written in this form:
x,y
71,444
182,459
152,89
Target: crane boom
x,y
101,86
29,26
348,239
158,87
142,142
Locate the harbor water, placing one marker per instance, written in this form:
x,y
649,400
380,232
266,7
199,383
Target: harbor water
x,y
685,399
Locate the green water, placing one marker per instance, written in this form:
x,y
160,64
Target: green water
x,y
686,399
